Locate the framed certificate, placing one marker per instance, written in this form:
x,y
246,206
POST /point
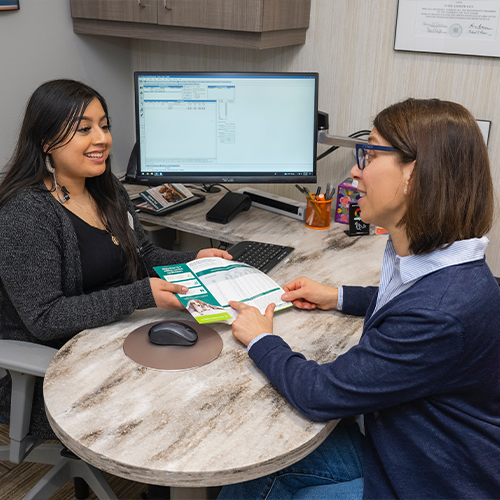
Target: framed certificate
x,y
467,27
9,4
485,126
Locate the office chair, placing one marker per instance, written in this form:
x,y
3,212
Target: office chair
x,y
26,361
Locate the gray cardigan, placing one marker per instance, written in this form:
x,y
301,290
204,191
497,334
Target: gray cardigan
x,y
41,295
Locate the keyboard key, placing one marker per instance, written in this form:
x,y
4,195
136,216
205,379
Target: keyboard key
x,y
263,256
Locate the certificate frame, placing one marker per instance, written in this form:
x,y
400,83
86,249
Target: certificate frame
x,y
461,27
9,5
485,126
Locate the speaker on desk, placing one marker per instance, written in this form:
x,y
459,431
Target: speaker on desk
x,y
230,205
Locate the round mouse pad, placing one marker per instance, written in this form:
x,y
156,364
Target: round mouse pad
x,y
139,349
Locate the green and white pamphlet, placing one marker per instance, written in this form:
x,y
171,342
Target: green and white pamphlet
x,y
214,281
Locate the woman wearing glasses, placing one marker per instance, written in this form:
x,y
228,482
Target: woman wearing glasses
x,y
424,380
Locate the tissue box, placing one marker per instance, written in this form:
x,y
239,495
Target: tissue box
x,y
346,194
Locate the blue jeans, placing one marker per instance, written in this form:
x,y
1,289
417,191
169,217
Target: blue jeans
x,y
333,471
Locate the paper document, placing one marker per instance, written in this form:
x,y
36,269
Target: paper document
x,y
214,281
455,18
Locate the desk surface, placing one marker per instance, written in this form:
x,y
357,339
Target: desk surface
x,y
223,422
324,255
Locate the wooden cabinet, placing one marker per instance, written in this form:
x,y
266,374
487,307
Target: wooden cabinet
x,y
258,24
143,11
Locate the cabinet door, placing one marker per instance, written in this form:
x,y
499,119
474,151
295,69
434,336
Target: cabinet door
x,y
138,11
285,14
239,15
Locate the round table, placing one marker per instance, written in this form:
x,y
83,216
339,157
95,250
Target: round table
x,y
221,423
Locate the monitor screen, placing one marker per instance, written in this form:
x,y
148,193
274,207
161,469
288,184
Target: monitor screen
x,y
226,127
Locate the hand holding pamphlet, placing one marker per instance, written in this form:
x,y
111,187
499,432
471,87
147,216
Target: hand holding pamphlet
x,y
214,281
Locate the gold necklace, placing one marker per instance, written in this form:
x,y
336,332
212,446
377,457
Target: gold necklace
x,y
114,239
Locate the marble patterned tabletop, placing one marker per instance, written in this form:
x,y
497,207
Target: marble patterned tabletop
x,y
223,422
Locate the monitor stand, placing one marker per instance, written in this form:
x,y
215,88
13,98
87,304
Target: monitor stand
x,y
211,188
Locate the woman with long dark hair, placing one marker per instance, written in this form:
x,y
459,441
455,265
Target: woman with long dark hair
x,y
73,254
425,376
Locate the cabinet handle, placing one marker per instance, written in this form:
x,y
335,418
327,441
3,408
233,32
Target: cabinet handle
x,y
165,5
140,4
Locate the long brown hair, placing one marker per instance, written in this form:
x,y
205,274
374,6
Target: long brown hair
x,y
450,194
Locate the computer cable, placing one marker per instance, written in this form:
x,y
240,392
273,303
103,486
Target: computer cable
x,y
208,188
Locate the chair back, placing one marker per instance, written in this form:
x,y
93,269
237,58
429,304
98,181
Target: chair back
x,y
24,361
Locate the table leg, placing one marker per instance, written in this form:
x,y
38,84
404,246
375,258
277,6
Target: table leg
x,y
188,493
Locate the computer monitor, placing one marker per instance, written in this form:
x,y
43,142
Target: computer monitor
x,y
201,127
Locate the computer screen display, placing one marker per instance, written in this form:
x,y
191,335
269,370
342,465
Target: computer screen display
x,y
226,127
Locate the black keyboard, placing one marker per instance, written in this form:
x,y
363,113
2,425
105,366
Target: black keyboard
x,y
263,256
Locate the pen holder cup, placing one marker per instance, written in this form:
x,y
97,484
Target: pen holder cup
x,y
318,214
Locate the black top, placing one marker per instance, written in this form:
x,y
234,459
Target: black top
x,y
50,307
103,262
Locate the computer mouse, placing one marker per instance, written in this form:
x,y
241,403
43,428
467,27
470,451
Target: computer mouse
x,y
172,333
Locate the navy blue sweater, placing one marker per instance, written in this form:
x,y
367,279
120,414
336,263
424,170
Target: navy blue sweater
x,y
426,375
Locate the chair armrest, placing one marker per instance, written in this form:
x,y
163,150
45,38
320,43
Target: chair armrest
x,y
25,357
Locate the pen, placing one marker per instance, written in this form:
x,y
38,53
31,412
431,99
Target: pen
x,y
308,193
329,193
315,207
318,190
302,190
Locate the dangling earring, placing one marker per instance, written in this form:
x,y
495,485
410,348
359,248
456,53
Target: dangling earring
x,y
48,165
52,172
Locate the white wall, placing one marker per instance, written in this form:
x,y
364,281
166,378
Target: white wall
x,y
350,44
37,44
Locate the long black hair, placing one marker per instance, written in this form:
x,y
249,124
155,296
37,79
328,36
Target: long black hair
x,y
52,115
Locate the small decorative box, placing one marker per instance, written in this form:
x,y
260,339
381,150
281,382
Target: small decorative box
x,y
346,194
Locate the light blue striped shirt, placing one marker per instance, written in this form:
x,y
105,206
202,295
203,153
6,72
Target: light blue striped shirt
x,y
400,273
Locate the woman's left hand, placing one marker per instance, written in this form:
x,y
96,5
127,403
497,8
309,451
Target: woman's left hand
x,y
213,252
250,323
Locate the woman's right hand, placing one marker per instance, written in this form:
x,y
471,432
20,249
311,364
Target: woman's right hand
x,y
305,293
163,293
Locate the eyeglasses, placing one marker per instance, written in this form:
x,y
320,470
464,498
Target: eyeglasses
x,y
363,155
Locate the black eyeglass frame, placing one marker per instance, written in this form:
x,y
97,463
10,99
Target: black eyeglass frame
x,y
360,147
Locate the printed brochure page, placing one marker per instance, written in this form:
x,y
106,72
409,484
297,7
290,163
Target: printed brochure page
x,y
214,281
